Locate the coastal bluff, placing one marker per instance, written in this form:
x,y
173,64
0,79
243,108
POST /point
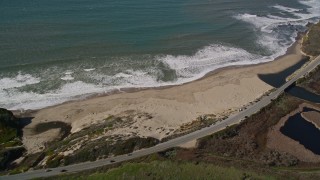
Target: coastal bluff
x,y
310,43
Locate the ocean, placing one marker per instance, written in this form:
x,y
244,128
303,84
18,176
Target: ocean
x,y
52,51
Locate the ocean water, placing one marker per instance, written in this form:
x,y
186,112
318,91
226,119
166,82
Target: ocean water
x,y
59,50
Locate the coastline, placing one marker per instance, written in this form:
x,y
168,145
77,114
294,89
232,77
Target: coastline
x,y
290,50
220,92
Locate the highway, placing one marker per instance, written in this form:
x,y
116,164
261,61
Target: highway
x,y
234,119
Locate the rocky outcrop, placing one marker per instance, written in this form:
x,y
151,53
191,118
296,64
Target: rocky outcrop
x,y
9,126
8,119
10,143
9,155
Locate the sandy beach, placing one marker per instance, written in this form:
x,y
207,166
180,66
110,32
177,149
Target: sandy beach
x,y
220,93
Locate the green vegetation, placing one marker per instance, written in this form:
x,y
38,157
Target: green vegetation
x,y
311,82
311,45
7,134
228,132
15,142
238,152
92,142
54,161
102,148
171,170
200,122
10,138
8,126
18,170
247,141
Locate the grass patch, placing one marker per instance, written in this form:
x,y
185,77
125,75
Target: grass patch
x,y
100,148
171,170
15,142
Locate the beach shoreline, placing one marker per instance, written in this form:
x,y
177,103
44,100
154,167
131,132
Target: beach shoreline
x,y
24,112
221,92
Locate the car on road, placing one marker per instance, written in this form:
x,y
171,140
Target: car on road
x,y
63,170
112,161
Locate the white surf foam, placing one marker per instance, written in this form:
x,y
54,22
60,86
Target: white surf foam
x,y
271,38
130,79
9,85
67,77
272,21
123,75
286,9
206,60
17,81
267,27
90,69
68,72
314,6
30,100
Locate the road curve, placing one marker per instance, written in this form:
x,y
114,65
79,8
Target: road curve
x,y
174,142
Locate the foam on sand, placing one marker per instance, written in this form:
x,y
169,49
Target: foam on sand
x,y
31,100
207,59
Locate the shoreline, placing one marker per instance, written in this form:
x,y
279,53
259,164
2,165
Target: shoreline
x,y
290,50
220,92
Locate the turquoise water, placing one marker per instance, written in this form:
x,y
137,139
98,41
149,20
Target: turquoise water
x,y
58,50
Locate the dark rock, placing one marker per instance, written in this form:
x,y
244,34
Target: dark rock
x,y
8,119
9,155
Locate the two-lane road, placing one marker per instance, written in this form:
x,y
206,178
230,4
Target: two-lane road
x,y
174,142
